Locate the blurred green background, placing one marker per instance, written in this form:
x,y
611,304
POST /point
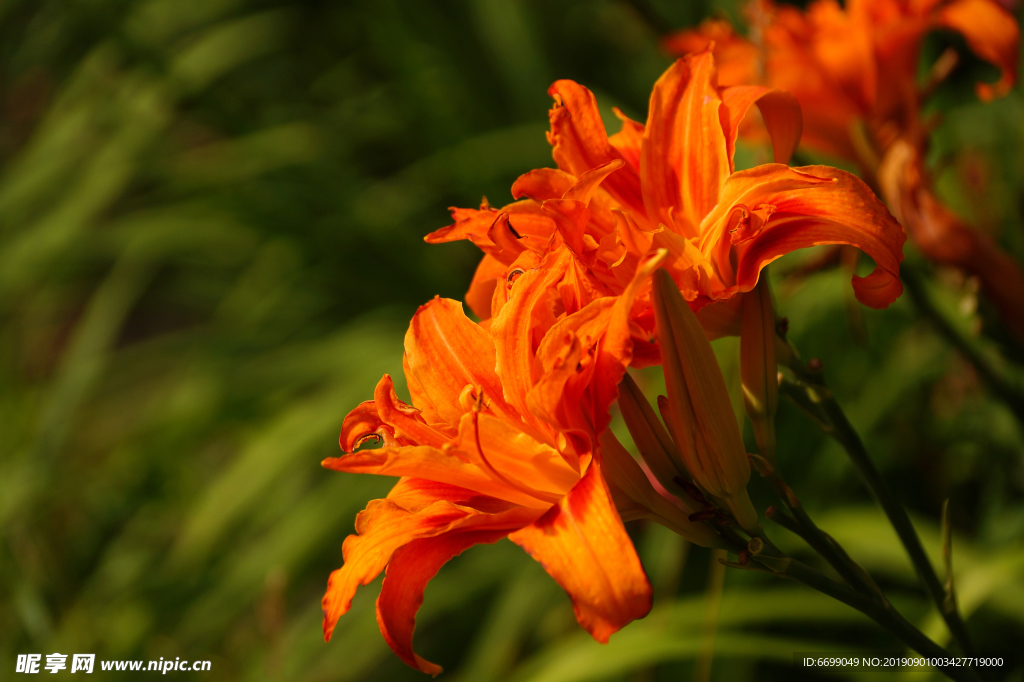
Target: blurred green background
x,y
211,222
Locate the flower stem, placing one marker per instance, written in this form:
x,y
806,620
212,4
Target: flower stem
x,y
762,551
883,614
802,524
841,429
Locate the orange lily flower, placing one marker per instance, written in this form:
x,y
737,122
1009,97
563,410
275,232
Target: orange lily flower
x,y
854,71
856,64
671,184
505,437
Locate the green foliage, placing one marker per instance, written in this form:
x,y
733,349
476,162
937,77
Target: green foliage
x,y
211,221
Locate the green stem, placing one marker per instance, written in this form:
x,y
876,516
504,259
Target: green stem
x,y
823,544
878,609
846,435
883,614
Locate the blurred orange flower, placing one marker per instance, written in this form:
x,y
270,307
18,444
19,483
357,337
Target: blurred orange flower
x,y
671,184
854,72
502,440
856,64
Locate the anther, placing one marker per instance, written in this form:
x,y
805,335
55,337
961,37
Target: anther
x,y
511,278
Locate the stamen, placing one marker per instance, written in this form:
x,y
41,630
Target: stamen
x,y
512,276
370,441
547,497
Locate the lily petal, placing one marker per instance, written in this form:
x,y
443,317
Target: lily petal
x,y
481,290
401,595
583,545
779,109
446,351
809,206
512,456
580,141
629,140
514,330
383,527
685,157
433,464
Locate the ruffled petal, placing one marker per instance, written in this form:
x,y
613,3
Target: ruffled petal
x,y
992,33
583,545
580,141
526,218
567,357
542,184
390,422
771,210
405,420
401,595
616,351
518,328
384,526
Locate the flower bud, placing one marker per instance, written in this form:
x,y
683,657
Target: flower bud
x,y
651,438
700,413
636,498
758,366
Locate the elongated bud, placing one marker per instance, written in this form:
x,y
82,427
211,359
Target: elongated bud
x,y
636,498
700,414
651,438
758,366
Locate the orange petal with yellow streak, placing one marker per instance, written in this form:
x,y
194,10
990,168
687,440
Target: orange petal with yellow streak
x,y
583,545
441,466
685,158
445,352
509,454
514,329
